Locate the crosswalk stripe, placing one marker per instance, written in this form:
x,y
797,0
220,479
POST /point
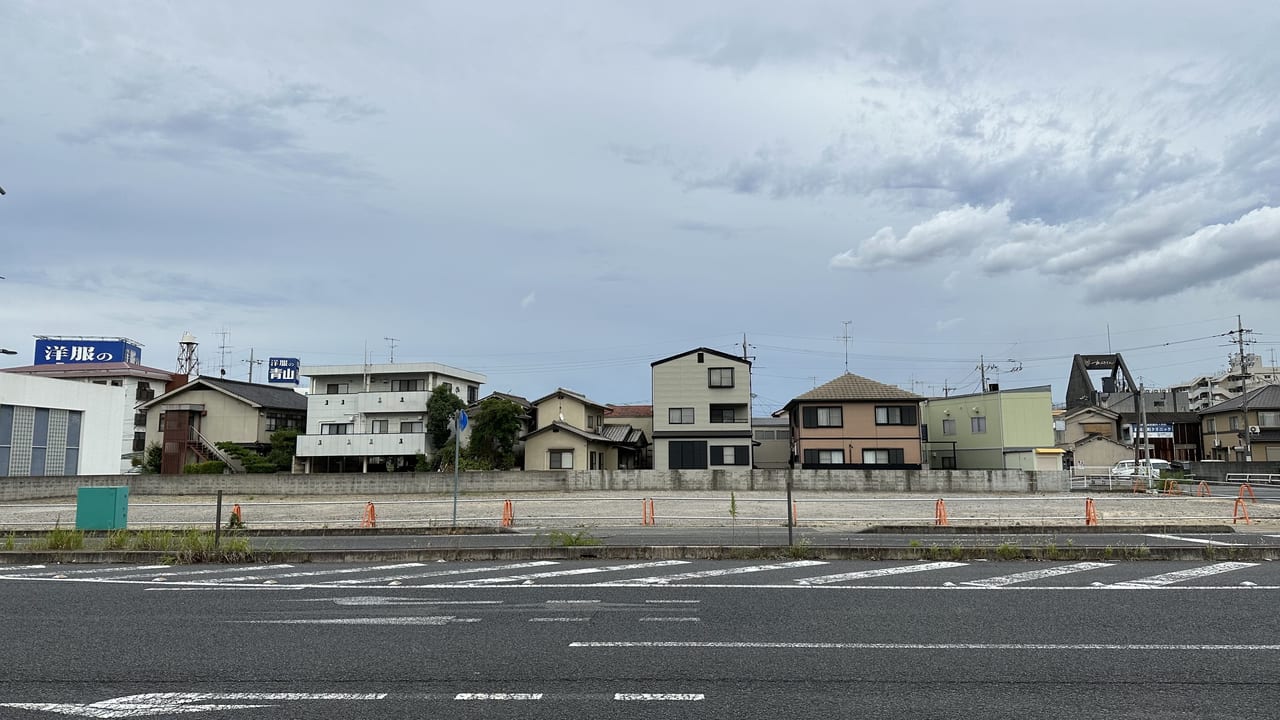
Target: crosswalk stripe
x,y
1003,580
575,571
188,573
101,571
498,696
1180,575
879,572
691,697
312,573
664,579
439,573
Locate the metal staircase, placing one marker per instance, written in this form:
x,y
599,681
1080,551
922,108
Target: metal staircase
x,y
209,450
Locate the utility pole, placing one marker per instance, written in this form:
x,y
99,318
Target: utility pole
x,y
392,342
983,367
946,390
1239,332
251,362
845,337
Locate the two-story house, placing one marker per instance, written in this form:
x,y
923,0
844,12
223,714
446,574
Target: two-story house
x,y
701,410
363,418
1257,413
994,430
855,422
572,434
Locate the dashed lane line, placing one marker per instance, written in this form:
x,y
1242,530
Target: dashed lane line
x,y
686,697
498,696
1201,541
931,646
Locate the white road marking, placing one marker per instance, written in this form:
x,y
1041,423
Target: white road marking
x,y
441,573
1180,575
1003,580
673,602
364,601
498,696
670,619
664,579
59,574
559,619
575,571
572,602
928,646
879,572
175,703
186,573
660,696
427,620
311,573
1202,541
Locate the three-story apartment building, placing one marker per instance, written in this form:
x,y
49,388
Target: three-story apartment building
x,y
701,410
373,417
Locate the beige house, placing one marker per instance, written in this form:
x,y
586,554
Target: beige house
x,y
701,410
1257,413
855,422
639,417
189,421
572,434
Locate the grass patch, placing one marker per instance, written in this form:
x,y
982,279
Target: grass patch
x,y
62,539
10,540
1008,551
802,550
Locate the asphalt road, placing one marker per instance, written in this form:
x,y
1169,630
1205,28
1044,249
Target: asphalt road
x,y
698,639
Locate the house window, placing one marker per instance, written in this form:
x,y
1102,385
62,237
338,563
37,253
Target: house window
x,y
723,414
595,459
411,427
407,385
380,427
1235,422
560,459
978,424
446,386
948,427
1211,424
720,377
762,434
337,388
337,428
895,415
729,455
823,457
687,455
140,419
139,441
947,462
890,456
680,416
1269,419
473,394
823,417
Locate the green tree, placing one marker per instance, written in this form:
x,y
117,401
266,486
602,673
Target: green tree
x,y
440,409
494,432
284,445
151,461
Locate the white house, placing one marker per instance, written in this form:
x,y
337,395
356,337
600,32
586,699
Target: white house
x,y
54,427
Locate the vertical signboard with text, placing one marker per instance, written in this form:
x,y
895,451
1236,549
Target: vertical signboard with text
x,y
283,370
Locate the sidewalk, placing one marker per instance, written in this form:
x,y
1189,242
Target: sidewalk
x,y
853,513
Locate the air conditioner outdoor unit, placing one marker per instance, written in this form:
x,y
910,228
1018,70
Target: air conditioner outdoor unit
x,y
1254,429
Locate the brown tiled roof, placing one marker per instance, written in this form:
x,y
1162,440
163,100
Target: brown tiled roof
x,y
621,411
856,387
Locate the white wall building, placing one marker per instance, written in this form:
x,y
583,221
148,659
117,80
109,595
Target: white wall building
x,y
363,417
136,384
54,427
1206,391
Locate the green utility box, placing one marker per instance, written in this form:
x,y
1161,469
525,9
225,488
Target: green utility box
x,y
102,508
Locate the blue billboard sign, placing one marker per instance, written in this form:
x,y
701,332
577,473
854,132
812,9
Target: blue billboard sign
x,y
283,370
65,351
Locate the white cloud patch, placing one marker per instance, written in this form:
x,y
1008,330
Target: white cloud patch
x,y
528,299
948,324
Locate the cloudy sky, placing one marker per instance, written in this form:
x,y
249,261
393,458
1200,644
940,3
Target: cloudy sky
x,y
559,193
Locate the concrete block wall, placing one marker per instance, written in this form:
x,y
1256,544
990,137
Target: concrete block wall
x,y
374,485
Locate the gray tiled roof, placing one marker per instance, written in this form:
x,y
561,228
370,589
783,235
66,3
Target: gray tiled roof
x,y
855,387
267,396
1266,397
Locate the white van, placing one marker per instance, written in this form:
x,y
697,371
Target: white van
x,y
1148,468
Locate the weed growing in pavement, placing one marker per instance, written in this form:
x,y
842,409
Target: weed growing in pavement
x,y
1137,553
914,544
1108,552
196,546
1051,551
957,551
156,540
9,541
562,538
802,550
116,540
1008,551
63,539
